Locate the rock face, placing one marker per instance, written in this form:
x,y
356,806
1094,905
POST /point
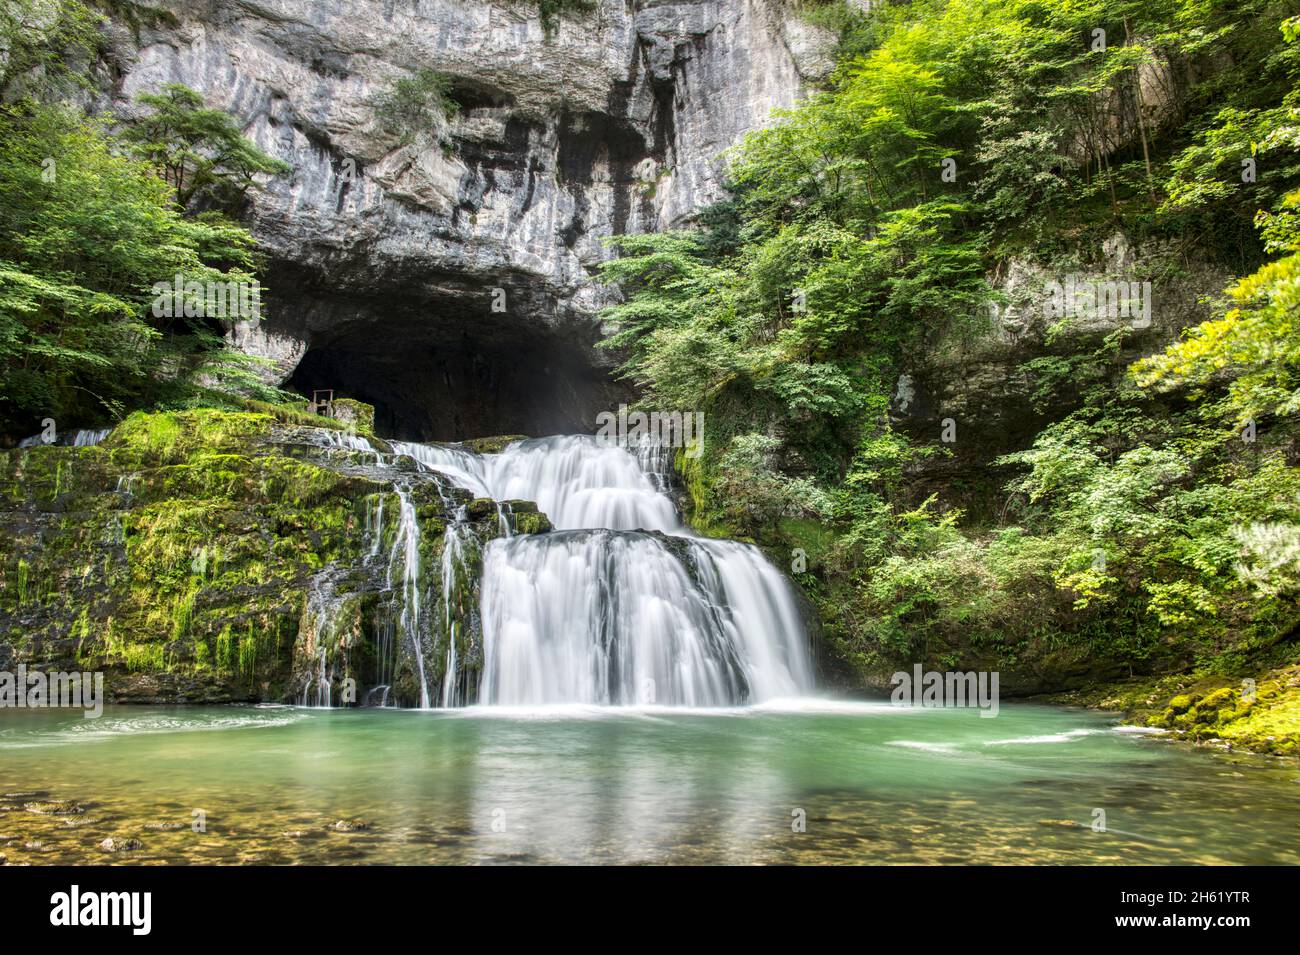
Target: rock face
x,y
994,393
445,274
212,556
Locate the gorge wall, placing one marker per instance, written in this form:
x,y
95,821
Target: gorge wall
x,y
387,252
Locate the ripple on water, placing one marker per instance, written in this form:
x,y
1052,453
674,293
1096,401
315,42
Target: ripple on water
x,y
109,727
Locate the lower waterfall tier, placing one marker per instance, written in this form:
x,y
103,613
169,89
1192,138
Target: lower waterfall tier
x,y
619,617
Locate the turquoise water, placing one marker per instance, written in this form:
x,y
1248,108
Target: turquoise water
x,y
867,783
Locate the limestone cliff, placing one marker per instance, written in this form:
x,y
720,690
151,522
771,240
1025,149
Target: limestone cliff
x,y
385,250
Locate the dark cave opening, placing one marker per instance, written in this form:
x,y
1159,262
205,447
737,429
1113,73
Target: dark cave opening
x,y
444,366
452,391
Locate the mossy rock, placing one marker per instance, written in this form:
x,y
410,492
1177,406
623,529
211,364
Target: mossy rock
x,y
1217,699
356,414
1212,708
493,445
178,555
530,522
481,508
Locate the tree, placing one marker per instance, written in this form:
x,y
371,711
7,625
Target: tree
x,y
1254,349
86,230
198,150
415,102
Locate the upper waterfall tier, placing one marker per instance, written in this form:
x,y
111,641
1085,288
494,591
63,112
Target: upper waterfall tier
x,y
578,481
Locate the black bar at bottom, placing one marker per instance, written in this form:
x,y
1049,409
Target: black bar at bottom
x,y
340,907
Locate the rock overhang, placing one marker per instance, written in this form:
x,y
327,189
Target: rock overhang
x,y
614,124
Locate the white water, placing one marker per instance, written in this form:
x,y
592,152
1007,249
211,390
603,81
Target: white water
x,y
453,570
82,438
406,548
575,480
348,441
86,439
599,612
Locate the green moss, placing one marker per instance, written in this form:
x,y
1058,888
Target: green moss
x,y
201,568
173,437
356,414
1259,713
1273,726
226,655
531,523
247,653
143,657
697,479
182,613
494,444
814,538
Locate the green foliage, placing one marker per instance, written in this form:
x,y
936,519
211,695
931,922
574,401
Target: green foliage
x,y
1253,350
1135,532
44,46
551,11
85,231
91,221
415,102
200,151
846,21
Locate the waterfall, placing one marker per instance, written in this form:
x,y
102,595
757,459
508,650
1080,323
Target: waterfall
x,y
321,625
81,438
406,554
622,603
577,481
453,572
88,438
347,440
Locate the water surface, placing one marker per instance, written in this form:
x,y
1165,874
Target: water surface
x,y
868,783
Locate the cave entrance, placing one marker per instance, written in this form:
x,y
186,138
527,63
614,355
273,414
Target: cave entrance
x,y
448,368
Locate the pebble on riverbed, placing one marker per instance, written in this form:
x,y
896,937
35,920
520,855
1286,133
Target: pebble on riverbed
x,y
112,844
350,825
59,808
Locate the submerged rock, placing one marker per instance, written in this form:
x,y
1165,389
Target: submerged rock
x,y
57,808
115,844
350,825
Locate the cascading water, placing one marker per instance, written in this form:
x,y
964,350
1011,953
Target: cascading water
x,y
406,554
453,570
82,438
321,624
621,604
577,481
